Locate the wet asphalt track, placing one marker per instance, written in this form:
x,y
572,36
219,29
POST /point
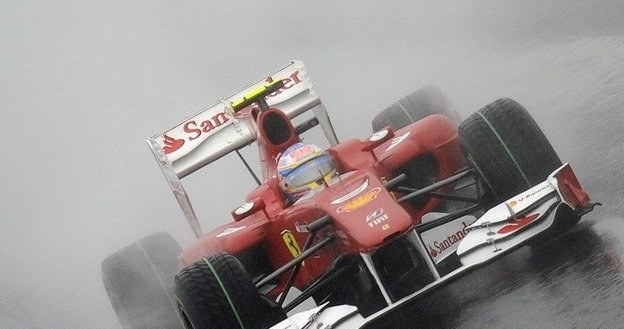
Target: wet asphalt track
x,y
577,280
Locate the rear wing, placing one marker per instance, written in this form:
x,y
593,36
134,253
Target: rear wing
x,y
217,131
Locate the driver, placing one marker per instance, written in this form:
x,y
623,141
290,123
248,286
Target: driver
x,y
302,168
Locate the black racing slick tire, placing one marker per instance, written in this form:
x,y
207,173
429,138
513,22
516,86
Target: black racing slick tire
x,y
413,107
138,280
218,293
507,147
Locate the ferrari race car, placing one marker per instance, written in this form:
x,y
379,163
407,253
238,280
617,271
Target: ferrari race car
x,y
420,202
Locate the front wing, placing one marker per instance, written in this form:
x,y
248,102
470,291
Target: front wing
x,y
499,231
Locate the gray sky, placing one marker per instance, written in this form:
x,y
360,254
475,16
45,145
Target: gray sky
x,y
84,82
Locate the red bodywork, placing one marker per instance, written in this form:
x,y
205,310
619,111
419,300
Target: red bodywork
x,y
365,215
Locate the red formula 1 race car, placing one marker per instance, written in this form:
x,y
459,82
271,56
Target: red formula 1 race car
x,y
361,227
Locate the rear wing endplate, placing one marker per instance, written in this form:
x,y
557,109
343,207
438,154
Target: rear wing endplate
x,y
218,131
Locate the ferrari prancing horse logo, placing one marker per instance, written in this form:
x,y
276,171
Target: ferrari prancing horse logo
x,y
291,243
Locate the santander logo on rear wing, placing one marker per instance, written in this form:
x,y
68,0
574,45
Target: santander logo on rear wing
x,y
218,131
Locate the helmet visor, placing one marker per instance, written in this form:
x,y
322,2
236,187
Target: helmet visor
x,y
308,172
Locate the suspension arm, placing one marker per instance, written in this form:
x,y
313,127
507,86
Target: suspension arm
x,y
297,260
425,191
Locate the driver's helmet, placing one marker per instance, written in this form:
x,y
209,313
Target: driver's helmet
x,y
302,168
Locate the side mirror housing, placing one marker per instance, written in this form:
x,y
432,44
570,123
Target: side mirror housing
x,y
377,139
248,208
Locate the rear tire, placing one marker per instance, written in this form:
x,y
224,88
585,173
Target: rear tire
x,y
507,147
217,293
413,107
138,283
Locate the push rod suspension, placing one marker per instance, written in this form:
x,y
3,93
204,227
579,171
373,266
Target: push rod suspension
x,y
312,228
425,191
305,254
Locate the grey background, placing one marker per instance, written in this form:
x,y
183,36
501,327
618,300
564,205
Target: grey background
x,y
82,83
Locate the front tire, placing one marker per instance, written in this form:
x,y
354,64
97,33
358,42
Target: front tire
x,y
217,293
508,148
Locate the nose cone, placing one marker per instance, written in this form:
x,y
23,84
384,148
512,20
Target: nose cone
x,y
366,213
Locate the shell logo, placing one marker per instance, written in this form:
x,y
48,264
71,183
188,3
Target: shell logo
x,y
359,201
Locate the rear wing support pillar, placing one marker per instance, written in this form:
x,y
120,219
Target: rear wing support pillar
x,y
323,118
176,186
